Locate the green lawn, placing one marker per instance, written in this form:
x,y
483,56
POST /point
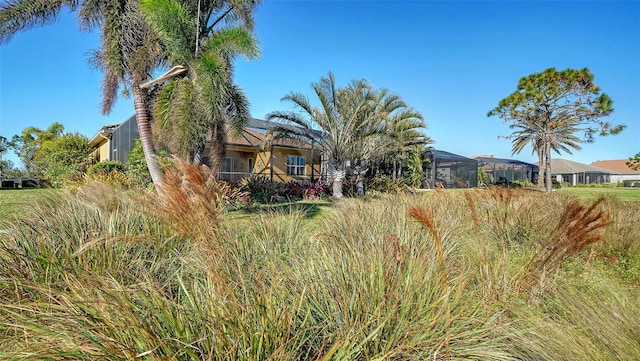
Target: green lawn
x,y
622,193
14,200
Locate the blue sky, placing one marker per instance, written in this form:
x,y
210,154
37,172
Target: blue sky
x,y
452,61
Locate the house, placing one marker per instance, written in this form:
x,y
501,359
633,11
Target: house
x,y
448,170
282,160
114,142
246,153
507,170
574,173
624,173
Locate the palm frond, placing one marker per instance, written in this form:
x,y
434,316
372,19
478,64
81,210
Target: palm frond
x,y
17,15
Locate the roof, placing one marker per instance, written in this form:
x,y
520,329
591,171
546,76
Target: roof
x,y
494,160
616,165
443,155
565,166
267,125
253,138
102,133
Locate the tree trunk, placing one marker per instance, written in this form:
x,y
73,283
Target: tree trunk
x,y
541,168
337,173
547,165
218,137
140,104
360,172
198,154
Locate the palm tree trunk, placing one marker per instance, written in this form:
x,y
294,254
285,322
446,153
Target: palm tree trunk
x,y
337,173
547,165
541,168
198,154
140,104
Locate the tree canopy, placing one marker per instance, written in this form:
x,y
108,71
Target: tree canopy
x,y
353,123
551,109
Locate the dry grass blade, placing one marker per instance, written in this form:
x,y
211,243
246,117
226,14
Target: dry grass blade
x,y
425,217
578,227
192,201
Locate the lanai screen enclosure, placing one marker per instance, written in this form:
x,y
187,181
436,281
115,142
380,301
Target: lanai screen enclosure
x,y
448,170
508,170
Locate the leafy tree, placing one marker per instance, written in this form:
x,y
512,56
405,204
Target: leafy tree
x,y
345,118
199,95
64,158
29,142
551,103
634,162
4,147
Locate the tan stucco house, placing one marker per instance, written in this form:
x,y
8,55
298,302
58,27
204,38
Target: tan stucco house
x,y
247,153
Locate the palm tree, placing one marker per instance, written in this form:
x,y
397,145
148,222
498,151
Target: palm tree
x,y
402,125
129,51
346,116
545,136
199,97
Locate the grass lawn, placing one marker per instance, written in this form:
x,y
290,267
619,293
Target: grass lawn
x,y
622,193
13,200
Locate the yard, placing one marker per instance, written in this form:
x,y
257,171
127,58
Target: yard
x,y
465,275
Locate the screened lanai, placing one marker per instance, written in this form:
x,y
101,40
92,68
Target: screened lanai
x,y
448,170
507,170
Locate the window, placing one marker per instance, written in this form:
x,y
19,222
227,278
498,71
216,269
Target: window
x,y
250,165
227,166
295,165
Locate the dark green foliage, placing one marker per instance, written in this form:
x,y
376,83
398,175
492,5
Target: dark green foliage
x,y
634,162
107,167
138,170
386,184
263,190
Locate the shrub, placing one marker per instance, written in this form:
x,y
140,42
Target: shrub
x,y
385,184
522,184
106,167
311,190
262,190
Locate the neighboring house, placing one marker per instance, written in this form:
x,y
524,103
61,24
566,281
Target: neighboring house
x,y
574,173
507,170
620,167
246,154
114,142
448,170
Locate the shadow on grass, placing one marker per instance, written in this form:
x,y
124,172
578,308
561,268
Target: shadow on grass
x,y
311,209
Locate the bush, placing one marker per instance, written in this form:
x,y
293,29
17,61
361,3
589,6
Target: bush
x,y
262,190
106,168
311,190
522,184
631,183
385,184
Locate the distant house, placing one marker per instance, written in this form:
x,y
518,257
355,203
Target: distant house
x,y
449,170
574,173
246,153
507,170
114,142
623,172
